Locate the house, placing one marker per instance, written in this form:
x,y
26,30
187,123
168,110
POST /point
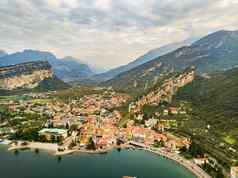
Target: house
x,y
53,134
171,144
234,172
182,112
140,117
200,161
157,114
151,123
173,110
166,112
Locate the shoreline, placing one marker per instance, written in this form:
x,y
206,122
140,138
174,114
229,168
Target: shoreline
x,y
53,149
190,166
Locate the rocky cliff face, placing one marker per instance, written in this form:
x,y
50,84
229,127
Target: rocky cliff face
x,y
67,69
24,75
166,90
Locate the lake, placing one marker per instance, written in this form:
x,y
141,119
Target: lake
x,y
115,164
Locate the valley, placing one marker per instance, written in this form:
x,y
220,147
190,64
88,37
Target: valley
x,y
181,104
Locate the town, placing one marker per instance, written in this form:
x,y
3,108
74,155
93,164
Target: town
x,y
93,120
93,123
101,120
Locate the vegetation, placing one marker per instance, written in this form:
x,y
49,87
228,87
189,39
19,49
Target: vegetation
x,y
159,144
194,151
91,145
27,124
215,172
214,115
150,110
76,93
223,57
51,84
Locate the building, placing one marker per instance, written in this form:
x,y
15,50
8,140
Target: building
x,y
166,112
173,110
234,172
140,117
53,134
151,123
200,161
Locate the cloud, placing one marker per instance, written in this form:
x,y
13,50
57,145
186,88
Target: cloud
x,y
109,32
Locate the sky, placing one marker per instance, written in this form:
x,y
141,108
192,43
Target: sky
x,y
109,33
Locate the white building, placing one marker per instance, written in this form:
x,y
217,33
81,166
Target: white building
x,y
140,117
151,123
200,161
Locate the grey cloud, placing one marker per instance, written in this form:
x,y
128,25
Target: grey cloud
x,y
174,10
86,30
119,15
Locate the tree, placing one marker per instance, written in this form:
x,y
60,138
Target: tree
x,y
72,145
24,144
52,138
42,138
195,150
73,127
91,145
67,125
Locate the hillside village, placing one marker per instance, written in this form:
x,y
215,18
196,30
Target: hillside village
x,y
95,123
91,118
119,89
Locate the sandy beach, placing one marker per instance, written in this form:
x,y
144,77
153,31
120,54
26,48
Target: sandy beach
x,y
52,148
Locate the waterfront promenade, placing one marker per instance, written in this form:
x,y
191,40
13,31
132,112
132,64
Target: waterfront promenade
x,y
196,170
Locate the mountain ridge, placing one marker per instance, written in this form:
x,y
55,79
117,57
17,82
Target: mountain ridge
x,y
61,67
2,53
148,56
214,52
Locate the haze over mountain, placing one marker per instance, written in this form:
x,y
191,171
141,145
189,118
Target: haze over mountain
x,y
67,69
150,55
2,53
215,52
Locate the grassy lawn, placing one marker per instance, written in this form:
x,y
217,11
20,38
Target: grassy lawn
x,y
230,140
124,120
12,97
40,101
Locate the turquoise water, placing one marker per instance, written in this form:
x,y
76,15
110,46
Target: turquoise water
x,y
27,164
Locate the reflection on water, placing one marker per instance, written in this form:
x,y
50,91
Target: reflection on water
x,y
115,164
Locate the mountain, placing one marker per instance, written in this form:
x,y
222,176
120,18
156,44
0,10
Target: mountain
x,y
73,69
152,54
2,53
29,76
214,103
67,69
215,52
